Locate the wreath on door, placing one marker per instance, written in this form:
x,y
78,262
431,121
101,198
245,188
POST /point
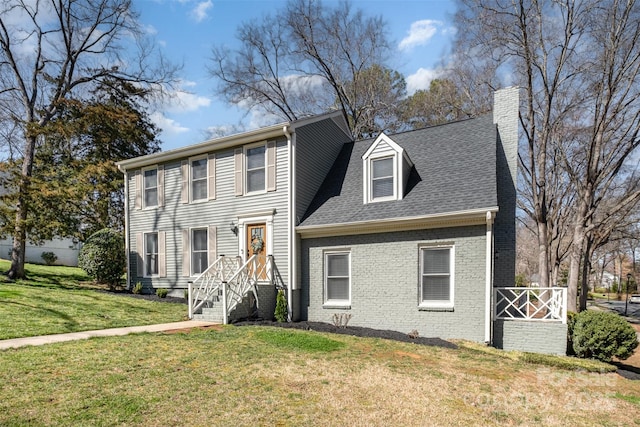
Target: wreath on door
x,y
257,244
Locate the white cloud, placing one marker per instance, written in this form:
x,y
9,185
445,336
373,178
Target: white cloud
x,y
201,11
169,126
182,101
419,34
421,79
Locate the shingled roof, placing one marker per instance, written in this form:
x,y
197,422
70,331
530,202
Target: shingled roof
x,y
455,171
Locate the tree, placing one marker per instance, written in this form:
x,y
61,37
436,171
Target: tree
x,y
308,59
53,50
75,163
577,63
443,102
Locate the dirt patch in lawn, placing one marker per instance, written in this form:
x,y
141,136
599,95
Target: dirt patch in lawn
x,y
355,331
200,328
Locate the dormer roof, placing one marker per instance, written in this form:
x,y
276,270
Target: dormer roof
x,y
454,171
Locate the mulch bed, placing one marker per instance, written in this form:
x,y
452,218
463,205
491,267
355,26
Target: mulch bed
x,y
355,331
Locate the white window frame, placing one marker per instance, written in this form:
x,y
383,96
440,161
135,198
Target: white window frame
x,y
144,188
325,276
145,253
205,179
437,303
246,170
192,251
394,162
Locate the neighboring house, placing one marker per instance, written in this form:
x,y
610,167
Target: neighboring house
x,y
66,251
412,231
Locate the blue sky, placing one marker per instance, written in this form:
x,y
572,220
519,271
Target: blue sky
x,y
186,30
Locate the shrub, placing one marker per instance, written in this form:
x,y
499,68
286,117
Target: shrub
x,y
281,314
162,292
102,257
571,321
137,289
49,258
602,335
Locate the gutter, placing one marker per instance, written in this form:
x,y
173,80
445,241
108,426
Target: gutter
x,y
447,219
126,227
488,278
291,196
203,147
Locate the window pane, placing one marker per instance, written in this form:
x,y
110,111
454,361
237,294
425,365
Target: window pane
x,y
256,157
151,178
151,243
152,264
199,190
199,169
435,261
255,180
199,262
382,187
199,240
435,288
383,168
338,289
151,197
338,265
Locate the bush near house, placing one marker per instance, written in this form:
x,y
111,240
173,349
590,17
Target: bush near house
x,y
102,257
49,258
281,313
603,335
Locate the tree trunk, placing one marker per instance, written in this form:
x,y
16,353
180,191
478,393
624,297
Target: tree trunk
x,y
586,268
20,233
543,255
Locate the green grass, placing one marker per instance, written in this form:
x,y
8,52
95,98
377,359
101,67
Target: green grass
x,y
251,375
270,376
56,299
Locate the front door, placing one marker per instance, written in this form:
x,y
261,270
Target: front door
x,y
257,245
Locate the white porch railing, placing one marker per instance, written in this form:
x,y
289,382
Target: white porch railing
x,y
228,280
207,285
538,304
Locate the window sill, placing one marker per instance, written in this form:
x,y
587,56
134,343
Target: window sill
x,y
335,306
255,193
435,308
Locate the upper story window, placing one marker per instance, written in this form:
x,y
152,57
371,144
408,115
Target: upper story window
x,y
436,276
199,178
386,167
256,168
382,178
149,187
150,183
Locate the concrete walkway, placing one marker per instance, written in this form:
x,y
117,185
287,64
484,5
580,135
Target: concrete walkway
x,y
73,336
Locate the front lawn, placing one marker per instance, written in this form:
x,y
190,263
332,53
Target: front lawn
x,y
255,376
56,300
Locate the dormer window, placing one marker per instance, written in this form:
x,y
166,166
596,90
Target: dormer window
x,y
382,178
386,168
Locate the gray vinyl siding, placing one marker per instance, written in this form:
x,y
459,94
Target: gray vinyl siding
x,y
385,282
176,216
317,147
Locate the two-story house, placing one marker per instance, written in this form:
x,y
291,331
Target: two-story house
x,y
412,231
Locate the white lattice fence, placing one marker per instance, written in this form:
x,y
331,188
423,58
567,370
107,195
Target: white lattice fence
x,y
538,304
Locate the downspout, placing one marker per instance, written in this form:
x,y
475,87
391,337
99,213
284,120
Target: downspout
x,y
126,225
291,241
488,279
